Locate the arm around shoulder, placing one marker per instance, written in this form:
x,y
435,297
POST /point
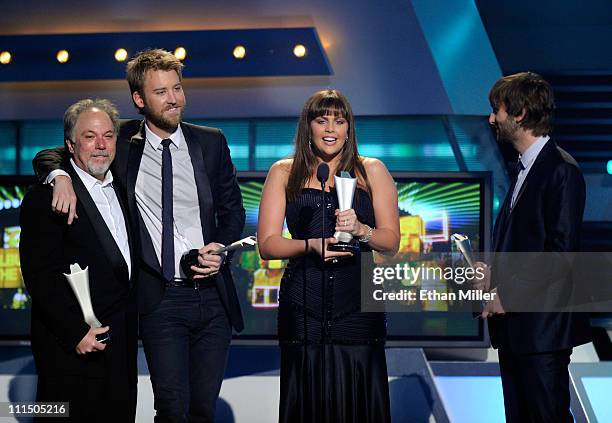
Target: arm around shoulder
x,y
47,161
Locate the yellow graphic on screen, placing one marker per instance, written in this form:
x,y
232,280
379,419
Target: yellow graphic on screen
x,y
10,273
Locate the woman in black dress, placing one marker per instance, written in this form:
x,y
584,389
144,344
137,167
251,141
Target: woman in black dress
x,y
333,365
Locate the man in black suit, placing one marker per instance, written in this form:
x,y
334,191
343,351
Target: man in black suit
x,y
541,219
98,380
182,194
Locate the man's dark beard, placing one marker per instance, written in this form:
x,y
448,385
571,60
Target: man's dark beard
x,y
506,132
159,121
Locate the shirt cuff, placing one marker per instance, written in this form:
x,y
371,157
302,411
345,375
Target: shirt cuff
x,y
51,176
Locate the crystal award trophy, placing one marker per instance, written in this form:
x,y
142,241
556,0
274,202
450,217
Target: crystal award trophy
x,y
345,190
79,282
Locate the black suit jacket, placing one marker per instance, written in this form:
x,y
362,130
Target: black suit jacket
x,y
221,211
48,246
547,217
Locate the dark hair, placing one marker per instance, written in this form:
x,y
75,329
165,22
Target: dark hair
x,y
321,103
526,91
152,59
71,116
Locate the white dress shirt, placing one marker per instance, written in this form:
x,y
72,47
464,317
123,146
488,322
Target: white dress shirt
x,y
528,158
186,206
105,198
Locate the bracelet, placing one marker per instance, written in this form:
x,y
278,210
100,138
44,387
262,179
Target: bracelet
x,y
368,236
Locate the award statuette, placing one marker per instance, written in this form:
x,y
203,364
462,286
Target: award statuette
x,y
463,244
78,279
345,190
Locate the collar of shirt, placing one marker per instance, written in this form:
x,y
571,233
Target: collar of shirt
x,y
155,141
88,180
529,156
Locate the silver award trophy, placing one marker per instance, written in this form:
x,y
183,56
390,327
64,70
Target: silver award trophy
x,y
345,190
465,246
78,279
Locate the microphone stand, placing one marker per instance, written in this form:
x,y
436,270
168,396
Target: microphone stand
x,y
323,301
322,176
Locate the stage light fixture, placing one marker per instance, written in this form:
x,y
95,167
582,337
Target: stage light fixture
x,y
62,56
180,53
609,167
5,57
299,50
239,52
121,54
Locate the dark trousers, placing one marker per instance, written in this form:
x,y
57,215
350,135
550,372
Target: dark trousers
x,y
90,399
536,386
186,340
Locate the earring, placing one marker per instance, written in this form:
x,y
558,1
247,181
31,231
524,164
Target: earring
x,y
310,142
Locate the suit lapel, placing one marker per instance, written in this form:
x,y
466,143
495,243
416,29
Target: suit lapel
x,y
104,235
501,223
137,143
201,178
505,217
535,171
128,229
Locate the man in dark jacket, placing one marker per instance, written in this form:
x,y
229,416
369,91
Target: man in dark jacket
x,y
541,220
98,380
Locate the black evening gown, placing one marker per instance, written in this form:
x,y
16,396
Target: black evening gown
x,y
333,366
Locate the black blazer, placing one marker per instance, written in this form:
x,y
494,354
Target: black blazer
x,y
221,211
48,246
547,217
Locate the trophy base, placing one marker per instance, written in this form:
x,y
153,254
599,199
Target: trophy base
x,y
351,247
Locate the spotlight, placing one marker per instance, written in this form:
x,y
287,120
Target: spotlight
x,y
239,52
121,54
299,50
609,167
62,56
5,57
180,53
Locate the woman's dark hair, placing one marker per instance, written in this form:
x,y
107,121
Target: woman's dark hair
x,y
322,103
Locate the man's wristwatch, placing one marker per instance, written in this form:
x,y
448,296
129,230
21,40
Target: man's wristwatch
x,y
368,236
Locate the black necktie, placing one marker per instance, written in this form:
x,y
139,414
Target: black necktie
x,y
167,214
515,174
504,212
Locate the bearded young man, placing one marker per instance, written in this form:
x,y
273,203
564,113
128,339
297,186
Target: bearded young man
x,y
182,193
541,216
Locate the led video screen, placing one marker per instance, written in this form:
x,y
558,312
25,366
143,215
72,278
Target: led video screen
x,y
432,207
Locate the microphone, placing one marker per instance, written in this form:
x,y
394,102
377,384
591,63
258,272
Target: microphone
x,y
323,173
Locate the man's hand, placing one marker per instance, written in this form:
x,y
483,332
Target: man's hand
x,y
89,344
64,199
209,264
493,307
484,283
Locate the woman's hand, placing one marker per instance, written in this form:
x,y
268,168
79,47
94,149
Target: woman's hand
x,y
346,221
314,244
